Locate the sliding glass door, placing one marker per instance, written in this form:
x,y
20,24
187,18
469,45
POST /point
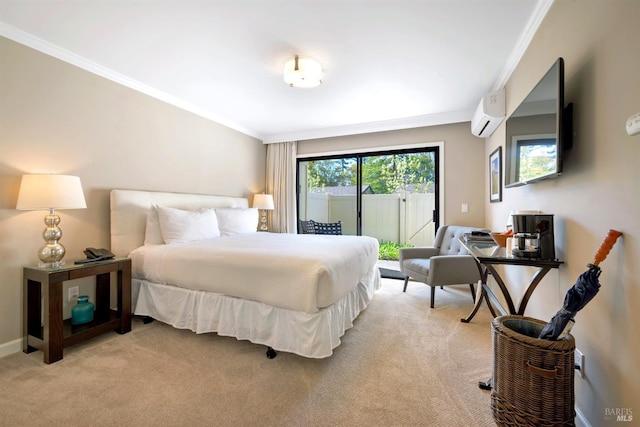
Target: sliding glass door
x,y
390,195
327,189
401,205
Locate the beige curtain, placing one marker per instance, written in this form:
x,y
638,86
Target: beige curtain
x,y
281,183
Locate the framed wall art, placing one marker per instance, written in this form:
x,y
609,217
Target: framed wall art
x,y
495,175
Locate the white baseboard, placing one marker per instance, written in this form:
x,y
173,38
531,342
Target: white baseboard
x,y
581,421
11,347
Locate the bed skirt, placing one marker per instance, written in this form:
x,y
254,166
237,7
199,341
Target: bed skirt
x,y
312,335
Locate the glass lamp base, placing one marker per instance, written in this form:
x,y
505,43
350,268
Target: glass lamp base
x,y
52,252
54,265
263,222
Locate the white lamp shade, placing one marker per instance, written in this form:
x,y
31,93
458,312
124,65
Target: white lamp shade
x,y
303,72
263,201
48,191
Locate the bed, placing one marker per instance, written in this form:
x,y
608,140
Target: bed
x,y
289,292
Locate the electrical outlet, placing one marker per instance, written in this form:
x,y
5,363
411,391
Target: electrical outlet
x,y
579,362
74,291
465,208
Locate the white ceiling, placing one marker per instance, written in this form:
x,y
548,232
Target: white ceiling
x,y
388,64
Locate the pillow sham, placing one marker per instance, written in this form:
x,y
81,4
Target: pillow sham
x,y
180,226
237,221
152,232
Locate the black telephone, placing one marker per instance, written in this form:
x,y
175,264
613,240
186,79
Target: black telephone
x,y
94,255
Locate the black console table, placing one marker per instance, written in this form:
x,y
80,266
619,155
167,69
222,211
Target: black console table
x,y
487,255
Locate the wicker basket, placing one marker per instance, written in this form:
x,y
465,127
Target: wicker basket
x,y
532,377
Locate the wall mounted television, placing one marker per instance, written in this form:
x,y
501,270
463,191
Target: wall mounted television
x,y
539,131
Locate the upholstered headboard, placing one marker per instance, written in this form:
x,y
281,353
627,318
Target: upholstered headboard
x,y
129,210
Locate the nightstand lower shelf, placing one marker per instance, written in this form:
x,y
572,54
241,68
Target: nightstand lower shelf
x,y
43,294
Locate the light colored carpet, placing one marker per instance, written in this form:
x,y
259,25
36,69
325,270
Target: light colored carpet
x,y
402,364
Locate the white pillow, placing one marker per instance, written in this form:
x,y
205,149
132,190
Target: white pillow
x,y
237,220
152,233
179,226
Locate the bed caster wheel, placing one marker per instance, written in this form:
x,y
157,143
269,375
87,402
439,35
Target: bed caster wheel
x,y
271,353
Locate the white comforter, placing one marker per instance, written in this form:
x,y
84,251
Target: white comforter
x,y
295,271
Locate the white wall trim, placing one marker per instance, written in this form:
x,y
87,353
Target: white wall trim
x,y
370,127
581,421
439,144
523,42
11,347
55,51
69,57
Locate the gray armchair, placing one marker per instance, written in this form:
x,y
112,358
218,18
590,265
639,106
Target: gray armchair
x,y
446,263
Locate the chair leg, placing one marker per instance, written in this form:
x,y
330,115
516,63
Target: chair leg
x,y
406,280
433,295
473,291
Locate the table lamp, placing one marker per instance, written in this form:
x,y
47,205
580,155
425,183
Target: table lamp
x,y
50,192
264,202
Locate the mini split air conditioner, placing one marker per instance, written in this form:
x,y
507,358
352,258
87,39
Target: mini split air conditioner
x,y
489,114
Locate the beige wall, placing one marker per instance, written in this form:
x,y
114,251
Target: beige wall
x,y
462,157
57,118
112,137
598,191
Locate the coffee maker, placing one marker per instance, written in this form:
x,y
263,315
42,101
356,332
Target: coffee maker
x,y
533,236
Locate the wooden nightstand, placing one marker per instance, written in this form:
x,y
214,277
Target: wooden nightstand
x,y
44,327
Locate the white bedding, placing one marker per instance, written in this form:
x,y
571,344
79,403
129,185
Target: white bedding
x,y
272,289
294,271
312,335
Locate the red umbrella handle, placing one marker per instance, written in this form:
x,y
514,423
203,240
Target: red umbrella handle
x,y
606,246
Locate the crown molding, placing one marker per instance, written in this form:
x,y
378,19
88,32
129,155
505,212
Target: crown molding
x,y
69,57
370,127
523,42
55,51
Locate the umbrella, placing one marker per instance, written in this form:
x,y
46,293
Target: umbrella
x,y
583,291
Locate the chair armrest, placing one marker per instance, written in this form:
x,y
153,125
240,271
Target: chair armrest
x,y
453,270
410,253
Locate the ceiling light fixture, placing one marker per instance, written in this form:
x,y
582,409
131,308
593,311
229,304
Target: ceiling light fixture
x,y
303,72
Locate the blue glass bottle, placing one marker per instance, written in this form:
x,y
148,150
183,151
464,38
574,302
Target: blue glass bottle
x,y
82,312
